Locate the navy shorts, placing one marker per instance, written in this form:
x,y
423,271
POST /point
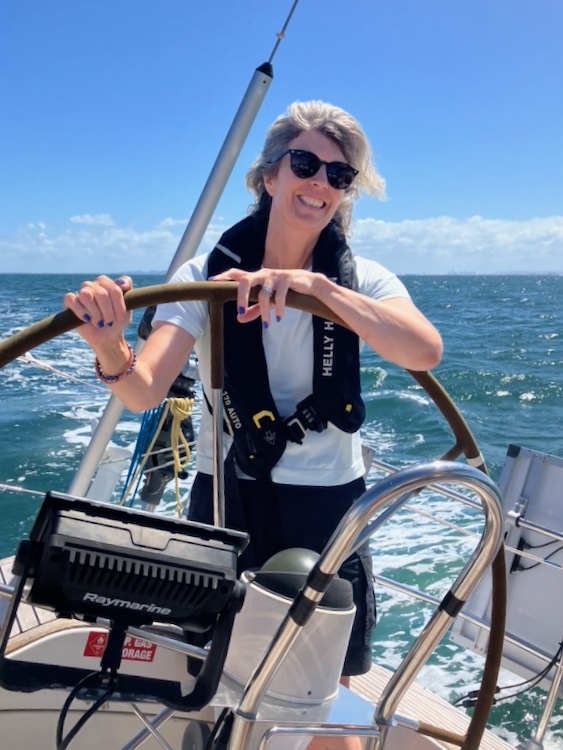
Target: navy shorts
x,y
279,516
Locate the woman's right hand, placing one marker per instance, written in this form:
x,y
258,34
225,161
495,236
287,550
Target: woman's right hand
x,y
101,305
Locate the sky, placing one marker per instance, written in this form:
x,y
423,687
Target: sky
x,y
112,113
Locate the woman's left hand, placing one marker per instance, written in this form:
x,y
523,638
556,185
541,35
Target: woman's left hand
x,y
275,283
394,328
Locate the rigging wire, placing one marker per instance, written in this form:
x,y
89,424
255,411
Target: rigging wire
x,y
29,359
281,34
13,488
467,532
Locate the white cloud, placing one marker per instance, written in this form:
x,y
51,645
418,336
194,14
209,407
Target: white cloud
x,y
478,245
437,245
102,219
95,249
170,222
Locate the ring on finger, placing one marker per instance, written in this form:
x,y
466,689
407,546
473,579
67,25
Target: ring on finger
x,y
268,289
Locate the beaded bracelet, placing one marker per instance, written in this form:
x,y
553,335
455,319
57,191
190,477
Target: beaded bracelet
x,y
112,379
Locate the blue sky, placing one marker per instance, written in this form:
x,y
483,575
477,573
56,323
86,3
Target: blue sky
x,y
112,113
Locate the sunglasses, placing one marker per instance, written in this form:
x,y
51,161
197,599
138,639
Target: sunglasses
x,y
304,164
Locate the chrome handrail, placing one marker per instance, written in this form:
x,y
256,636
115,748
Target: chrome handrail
x,y
399,485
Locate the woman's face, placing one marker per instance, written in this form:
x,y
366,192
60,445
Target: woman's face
x,y
306,204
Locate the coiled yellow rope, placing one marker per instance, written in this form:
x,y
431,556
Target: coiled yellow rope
x,y
180,408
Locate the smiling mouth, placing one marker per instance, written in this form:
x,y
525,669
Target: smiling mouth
x,y
311,202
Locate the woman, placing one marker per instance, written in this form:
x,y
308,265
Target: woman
x,y
292,381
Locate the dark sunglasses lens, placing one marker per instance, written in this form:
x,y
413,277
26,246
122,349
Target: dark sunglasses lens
x,y
304,164
340,175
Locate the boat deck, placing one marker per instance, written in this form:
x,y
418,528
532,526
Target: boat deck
x,y
421,705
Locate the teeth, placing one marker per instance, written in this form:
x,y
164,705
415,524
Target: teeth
x,y
314,202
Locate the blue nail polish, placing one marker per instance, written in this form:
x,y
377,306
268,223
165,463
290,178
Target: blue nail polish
x,y
87,318
265,324
241,311
109,325
120,281
210,278
278,318
100,324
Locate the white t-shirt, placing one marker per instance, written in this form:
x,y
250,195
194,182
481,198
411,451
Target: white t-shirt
x,y
328,458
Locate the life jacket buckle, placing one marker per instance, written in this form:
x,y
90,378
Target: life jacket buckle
x,y
295,430
305,417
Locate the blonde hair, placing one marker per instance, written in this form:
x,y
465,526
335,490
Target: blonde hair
x,y
340,127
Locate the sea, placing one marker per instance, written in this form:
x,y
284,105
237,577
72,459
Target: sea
x,y
502,365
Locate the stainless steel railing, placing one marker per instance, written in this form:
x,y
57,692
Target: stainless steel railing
x,y
398,488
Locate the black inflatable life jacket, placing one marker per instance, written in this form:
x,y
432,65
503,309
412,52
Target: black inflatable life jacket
x,y
259,433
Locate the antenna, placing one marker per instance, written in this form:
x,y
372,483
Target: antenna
x,y
281,34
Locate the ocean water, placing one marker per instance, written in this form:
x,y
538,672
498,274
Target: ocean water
x,y
502,365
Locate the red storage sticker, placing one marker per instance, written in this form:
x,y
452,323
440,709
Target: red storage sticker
x,y
134,649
